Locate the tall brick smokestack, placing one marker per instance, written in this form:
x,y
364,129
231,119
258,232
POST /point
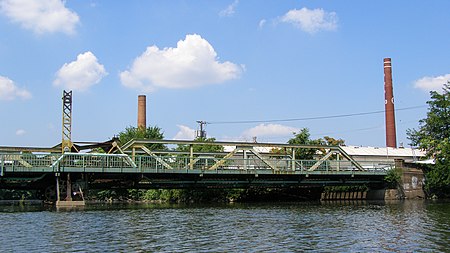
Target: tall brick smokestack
x,y
391,138
142,112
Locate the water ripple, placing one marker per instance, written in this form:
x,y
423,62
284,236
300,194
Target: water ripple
x,y
289,227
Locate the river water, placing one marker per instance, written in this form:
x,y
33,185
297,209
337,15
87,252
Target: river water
x,y
407,226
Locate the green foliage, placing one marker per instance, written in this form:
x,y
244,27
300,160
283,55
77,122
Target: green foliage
x,y
108,195
303,138
149,133
135,194
16,194
438,180
393,178
433,136
192,195
435,129
330,141
202,148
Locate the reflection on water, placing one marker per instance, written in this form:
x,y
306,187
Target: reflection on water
x,y
408,226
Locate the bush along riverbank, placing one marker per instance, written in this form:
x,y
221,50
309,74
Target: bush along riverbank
x,y
206,195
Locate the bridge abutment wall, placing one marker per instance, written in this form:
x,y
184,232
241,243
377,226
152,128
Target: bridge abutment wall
x,y
411,186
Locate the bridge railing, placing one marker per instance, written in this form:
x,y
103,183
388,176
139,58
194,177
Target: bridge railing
x,y
250,165
94,162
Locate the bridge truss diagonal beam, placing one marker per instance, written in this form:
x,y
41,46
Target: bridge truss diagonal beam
x,y
157,158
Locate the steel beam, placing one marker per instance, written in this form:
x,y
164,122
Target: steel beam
x,y
157,158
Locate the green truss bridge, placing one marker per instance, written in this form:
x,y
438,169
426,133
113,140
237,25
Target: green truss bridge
x,y
146,164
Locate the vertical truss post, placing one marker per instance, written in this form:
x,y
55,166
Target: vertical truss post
x,y
245,160
66,144
338,162
191,157
293,160
2,165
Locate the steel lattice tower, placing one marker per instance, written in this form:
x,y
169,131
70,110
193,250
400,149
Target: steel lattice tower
x,y
66,144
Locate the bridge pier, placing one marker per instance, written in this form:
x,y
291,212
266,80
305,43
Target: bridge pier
x,y
68,200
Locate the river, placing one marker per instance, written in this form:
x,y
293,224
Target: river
x,y
405,226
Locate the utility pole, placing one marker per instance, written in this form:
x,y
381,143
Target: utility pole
x,y
201,133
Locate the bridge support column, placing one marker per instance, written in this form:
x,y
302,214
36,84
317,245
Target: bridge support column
x,y
69,188
58,198
68,201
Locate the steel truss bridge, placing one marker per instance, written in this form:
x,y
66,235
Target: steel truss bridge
x,y
180,164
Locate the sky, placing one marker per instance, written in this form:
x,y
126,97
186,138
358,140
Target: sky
x,y
249,68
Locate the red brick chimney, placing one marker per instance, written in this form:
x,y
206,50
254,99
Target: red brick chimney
x,y
142,107
391,138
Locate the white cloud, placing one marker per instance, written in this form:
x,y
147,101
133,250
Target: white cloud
x,y
41,16
185,133
430,83
311,21
192,63
269,130
80,74
230,10
20,132
10,91
262,23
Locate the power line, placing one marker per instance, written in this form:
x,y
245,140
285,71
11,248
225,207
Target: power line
x,y
311,118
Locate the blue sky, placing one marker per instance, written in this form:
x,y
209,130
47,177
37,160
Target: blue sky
x,y
218,61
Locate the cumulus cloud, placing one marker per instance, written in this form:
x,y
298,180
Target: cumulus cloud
x,y
192,63
429,83
10,91
80,74
185,133
269,130
20,132
40,16
230,10
311,21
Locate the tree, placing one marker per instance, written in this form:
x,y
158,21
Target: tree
x,y
149,133
330,141
433,136
303,138
202,148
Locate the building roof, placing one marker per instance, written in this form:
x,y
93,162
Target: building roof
x,y
375,151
